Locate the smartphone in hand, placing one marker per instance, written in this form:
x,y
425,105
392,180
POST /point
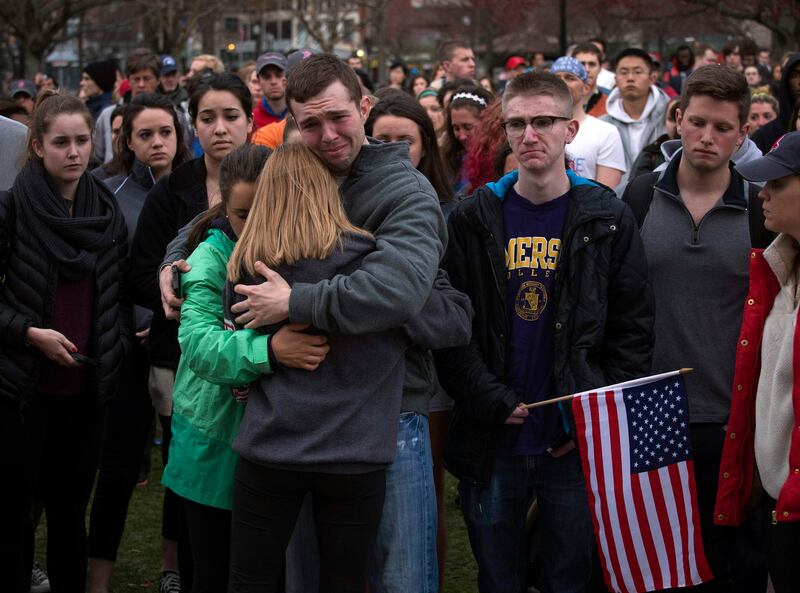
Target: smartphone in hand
x,y
176,282
83,359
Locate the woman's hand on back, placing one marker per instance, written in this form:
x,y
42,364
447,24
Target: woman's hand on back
x,y
53,345
299,350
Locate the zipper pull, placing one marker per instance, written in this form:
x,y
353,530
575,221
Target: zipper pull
x,y
774,517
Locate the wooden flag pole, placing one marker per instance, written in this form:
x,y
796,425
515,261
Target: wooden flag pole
x,y
684,371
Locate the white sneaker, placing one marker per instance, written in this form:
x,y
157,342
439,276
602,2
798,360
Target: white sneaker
x,y
39,581
170,582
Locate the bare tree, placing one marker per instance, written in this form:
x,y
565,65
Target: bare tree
x,y
781,17
328,22
39,25
168,24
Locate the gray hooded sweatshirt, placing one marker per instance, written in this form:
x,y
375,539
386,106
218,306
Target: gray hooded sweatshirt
x,y
636,133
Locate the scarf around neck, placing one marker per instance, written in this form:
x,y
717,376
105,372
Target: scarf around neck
x,y
73,242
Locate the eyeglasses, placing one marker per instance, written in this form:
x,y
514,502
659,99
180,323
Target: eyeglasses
x,y
541,124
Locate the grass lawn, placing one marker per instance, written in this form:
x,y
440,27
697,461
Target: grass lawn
x,y
137,564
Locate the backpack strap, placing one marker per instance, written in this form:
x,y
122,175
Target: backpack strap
x,y
638,195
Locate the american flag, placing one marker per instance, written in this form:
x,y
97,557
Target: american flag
x,y
637,461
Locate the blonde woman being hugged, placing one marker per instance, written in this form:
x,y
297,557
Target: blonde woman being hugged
x,y
330,432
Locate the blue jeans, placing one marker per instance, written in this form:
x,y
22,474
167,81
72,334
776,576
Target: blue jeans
x,y
404,558
495,517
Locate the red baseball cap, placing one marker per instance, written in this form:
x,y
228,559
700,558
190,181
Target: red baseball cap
x,y
515,62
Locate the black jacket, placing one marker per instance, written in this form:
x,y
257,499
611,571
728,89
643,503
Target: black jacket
x,y
603,322
173,201
27,299
766,135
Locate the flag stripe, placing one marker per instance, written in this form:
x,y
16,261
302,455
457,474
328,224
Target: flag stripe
x,y
687,511
610,537
674,524
677,492
621,471
585,427
664,523
702,564
651,531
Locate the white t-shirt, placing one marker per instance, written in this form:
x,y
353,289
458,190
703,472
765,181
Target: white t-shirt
x,y
606,79
597,143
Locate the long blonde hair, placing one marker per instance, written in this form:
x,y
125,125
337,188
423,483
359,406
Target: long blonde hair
x,y
296,214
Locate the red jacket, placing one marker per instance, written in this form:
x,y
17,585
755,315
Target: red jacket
x,y
263,116
738,454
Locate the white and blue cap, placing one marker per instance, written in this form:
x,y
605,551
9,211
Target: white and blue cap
x,y
571,65
168,65
782,160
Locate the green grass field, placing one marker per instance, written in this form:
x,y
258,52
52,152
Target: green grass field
x,y
137,564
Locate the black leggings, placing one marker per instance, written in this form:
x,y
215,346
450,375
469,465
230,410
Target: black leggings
x,y
173,515
210,536
52,446
266,503
130,416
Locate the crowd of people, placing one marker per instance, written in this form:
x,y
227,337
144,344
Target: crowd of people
x,y
329,291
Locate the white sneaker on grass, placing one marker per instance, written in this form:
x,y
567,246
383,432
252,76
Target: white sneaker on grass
x,y
39,581
170,582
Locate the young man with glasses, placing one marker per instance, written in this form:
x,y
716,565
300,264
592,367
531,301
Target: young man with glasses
x,y
636,106
556,272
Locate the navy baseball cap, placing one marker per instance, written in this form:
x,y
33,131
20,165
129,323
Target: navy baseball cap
x,y
298,56
271,58
782,160
25,87
168,65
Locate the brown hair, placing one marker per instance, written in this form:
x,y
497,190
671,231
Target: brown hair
x,y
242,165
142,59
290,127
297,213
534,84
474,98
49,105
316,73
588,48
448,49
721,83
124,157
246,71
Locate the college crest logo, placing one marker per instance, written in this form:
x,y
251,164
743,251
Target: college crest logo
x,y
531,300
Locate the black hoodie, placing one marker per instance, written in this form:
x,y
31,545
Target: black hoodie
x,y
766,135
